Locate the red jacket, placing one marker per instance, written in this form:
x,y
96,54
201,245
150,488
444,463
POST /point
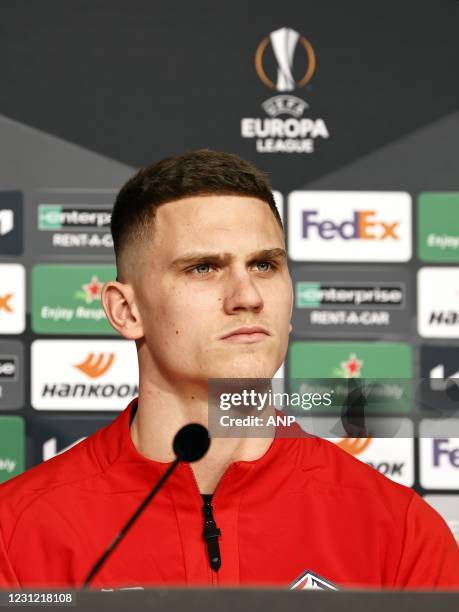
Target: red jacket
x,y
305,505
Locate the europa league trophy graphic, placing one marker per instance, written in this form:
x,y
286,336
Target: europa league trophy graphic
x,y
283,42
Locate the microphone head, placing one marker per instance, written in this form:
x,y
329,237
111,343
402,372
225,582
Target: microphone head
x,y
191,442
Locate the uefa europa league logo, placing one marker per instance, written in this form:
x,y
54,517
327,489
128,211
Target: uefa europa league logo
x,y
284,42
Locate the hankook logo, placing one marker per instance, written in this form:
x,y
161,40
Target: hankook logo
x,y
438,302
354,446
388,449
95,366
83,374
284,43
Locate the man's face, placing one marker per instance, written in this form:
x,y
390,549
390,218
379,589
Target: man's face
x,y
214,264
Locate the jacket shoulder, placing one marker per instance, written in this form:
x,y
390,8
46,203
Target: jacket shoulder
x,y
342,470
19,493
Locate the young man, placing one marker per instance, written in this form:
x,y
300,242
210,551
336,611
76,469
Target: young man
x,y
204,290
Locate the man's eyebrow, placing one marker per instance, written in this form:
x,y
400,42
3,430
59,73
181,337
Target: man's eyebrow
x,y
224,258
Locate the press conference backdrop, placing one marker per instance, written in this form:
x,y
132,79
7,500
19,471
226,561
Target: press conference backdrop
x,y
352,109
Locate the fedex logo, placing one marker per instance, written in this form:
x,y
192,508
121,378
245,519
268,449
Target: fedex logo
x,y
444,453
439,453
364,225
349,226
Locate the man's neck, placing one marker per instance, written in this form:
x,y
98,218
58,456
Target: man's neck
x,y
156,422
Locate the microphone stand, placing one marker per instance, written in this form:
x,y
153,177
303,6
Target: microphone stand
x,y
130,522
190,444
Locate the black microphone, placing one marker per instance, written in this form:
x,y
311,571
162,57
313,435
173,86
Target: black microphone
x,y
190,444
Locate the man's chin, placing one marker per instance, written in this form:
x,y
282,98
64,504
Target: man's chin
x,y
243,371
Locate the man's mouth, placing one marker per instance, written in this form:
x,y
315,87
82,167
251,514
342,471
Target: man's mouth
x,y
248,335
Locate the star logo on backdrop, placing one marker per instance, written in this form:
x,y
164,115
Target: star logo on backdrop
x,y
350,368
90,291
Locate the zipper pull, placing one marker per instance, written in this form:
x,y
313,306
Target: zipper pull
x,y
211,534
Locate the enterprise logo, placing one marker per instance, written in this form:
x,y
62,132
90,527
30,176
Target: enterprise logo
x,y
314,295
358,300
8,368
52,217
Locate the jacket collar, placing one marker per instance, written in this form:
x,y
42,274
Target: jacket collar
x,y
118,456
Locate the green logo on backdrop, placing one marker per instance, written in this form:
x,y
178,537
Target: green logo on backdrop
x,y
317,367
308,295
438,235
49,217
11,447
67,299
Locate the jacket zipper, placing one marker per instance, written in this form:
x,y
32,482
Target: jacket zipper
x,y
214,574
210,534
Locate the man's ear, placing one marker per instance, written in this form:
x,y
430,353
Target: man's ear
x,y
121,309
290,328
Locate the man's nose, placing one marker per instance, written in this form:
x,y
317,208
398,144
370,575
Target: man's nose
x,y
242,293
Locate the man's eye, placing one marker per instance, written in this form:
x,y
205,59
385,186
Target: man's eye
x,y
201,268
266,263
204,268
